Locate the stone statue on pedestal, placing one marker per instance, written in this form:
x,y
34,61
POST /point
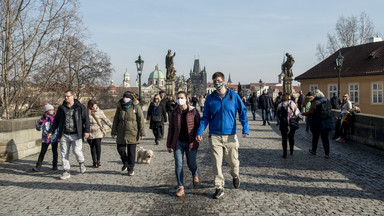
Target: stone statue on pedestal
x,y
171,72
287,66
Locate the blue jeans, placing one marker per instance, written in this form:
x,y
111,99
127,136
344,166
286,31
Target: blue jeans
x,y
253,114
179,158
265,115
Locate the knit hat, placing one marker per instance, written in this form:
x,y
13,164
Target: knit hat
x,y
127,95
48,107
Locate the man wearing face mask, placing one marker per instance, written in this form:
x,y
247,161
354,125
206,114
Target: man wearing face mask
x,y
220,113
128,128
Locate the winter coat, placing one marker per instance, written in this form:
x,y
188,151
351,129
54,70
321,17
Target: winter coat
x,y
160,112
300,100
81,119
201,102
335,102
292,110
128,124
46,124
253,101
220,114
345,106
316,123
265,101
95,130
170,105
193,123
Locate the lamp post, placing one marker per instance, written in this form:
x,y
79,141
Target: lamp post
x,y
339,64
261,85
139,66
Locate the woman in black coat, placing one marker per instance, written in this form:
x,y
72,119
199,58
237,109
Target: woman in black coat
x,y
157,115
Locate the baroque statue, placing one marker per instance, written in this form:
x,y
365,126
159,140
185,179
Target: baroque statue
x,y
171,72
287,66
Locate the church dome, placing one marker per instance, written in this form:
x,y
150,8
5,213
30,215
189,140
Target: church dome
x,y
157,73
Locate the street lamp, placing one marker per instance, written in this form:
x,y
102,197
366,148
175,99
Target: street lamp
x,y
260,85
339,64
139,66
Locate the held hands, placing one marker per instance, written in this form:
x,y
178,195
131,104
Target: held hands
x,y
113,136
49,136
245,135
199,138
169,150
86,135
142,137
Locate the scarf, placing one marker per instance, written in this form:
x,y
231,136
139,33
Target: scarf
x,y
126,105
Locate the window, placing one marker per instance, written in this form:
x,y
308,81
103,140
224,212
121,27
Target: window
x,y
354,93
157,82
312,88
377,93
162,83
332,89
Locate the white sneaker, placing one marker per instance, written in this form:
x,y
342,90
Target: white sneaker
x,y
65,175
82,167
338,139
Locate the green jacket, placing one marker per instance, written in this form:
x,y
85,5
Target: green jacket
x,y
128,125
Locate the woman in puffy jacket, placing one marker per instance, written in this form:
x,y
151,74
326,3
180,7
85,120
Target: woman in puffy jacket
x,y
183,124
97,132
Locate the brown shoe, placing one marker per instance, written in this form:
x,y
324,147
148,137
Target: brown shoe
x,y
180,191
195,181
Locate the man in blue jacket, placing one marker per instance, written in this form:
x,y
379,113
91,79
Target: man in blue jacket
x,y
220,113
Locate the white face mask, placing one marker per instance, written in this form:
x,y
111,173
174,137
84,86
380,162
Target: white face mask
x,y
181,102
126,100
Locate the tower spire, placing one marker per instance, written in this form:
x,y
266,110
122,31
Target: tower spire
x,y
229,79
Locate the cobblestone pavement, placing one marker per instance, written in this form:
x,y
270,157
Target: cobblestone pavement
x,y
350,182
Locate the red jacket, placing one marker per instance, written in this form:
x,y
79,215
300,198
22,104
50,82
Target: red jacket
x,y
193,123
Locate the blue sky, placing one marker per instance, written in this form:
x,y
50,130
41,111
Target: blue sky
x,y
246,38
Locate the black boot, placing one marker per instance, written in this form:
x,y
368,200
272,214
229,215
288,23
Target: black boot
x,y
37,168
54,166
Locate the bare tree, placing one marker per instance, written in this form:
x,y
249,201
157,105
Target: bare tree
x,y
43,51
350,31
26,29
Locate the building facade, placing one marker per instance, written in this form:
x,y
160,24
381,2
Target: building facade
x,y
361,76
157,78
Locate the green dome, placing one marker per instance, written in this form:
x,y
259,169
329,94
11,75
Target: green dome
x,y
157,73
126,74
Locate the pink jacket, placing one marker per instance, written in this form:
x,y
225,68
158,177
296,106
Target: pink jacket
x,y
193,123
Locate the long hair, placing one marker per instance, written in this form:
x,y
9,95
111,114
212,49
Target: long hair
x,y
318,93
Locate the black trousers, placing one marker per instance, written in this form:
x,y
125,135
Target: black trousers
x,y
95,145
291,137
44,148
158,132
127,154
324,139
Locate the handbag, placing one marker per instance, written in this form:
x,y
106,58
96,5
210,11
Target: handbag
x,y
293,123
156,118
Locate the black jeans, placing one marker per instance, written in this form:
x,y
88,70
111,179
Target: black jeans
x,y
127,154
44,148
324,139
95,145
158,132
291,137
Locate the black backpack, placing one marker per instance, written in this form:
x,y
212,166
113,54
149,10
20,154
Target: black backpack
x,y
283,117
325,109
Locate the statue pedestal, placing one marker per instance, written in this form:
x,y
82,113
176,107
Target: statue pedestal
x,y
170,87
287,85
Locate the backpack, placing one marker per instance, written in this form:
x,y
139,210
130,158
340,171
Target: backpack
x,y
283,117
325,109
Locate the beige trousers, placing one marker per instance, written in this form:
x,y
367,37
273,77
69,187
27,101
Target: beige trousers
x,y
229,146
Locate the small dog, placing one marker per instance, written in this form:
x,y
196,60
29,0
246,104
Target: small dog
x,y
144,155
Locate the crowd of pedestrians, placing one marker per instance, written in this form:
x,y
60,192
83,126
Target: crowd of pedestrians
x,y
73,123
